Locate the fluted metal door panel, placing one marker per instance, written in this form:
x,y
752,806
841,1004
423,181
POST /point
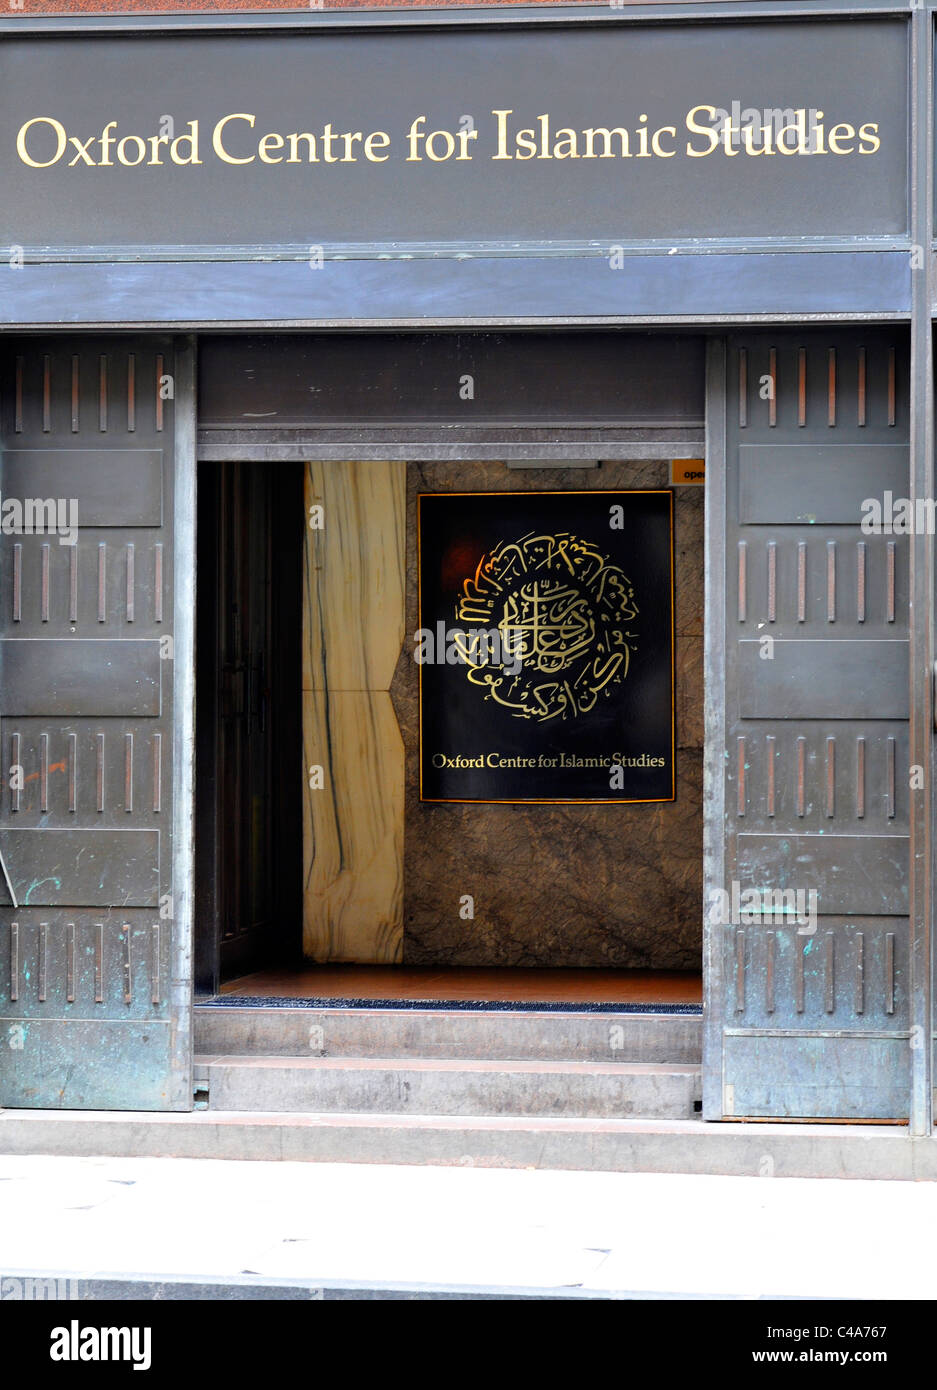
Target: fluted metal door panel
x,y
94,990
807,766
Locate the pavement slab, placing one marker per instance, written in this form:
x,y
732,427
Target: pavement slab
x,y
297,1228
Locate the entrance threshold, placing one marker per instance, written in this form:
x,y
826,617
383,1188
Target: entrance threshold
x,y
406,987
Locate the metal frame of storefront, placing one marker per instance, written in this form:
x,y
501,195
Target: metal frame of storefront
x,y
823,280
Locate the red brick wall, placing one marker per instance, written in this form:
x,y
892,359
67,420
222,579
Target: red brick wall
x,y
76,7
79,7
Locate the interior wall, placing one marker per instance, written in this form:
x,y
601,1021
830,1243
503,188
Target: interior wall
x,y
353,632
577,885
384,873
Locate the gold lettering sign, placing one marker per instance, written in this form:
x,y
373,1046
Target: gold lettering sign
x,y
563,613
545,646
236,140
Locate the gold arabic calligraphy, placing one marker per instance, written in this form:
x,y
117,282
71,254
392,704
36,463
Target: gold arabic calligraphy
x,y
563,609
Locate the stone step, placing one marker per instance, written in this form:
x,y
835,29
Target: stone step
x,y
448,1086
623,1146
553,1035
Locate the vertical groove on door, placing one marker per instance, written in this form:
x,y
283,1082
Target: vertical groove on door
x,y
801,776
18,582
125,933
860,582
44,596
70,963
99,770
154,964
43,772
158,583
99,962
831,777
890,779
43,960
131,392
861,388
102,393
17,769
18,393
157,770
892,413
75,392
128,772
130,582
46,393
829,962
73,772
890,583
14,961
159,392
73,583
102,582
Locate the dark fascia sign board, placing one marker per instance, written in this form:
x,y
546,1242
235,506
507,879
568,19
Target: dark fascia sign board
x,y
476,137
463,174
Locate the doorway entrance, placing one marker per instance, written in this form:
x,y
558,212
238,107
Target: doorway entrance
x,y
334,878
248,720
372,877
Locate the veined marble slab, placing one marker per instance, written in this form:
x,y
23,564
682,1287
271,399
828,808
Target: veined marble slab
x,y
354,609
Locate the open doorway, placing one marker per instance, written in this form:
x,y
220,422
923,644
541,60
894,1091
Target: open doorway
x,y
248,720
334,878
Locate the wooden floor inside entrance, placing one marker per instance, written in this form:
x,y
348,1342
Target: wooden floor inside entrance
x,y
496,986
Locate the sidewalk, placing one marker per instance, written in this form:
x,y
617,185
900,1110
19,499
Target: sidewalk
x,y
294,1229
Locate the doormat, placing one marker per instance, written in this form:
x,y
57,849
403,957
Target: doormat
x,y
257,1001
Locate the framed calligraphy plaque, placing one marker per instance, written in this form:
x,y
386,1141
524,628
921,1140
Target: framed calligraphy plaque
x,y
545,646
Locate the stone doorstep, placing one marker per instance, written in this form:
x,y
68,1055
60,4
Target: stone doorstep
x,y
450,1086
729,1148
560,1035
